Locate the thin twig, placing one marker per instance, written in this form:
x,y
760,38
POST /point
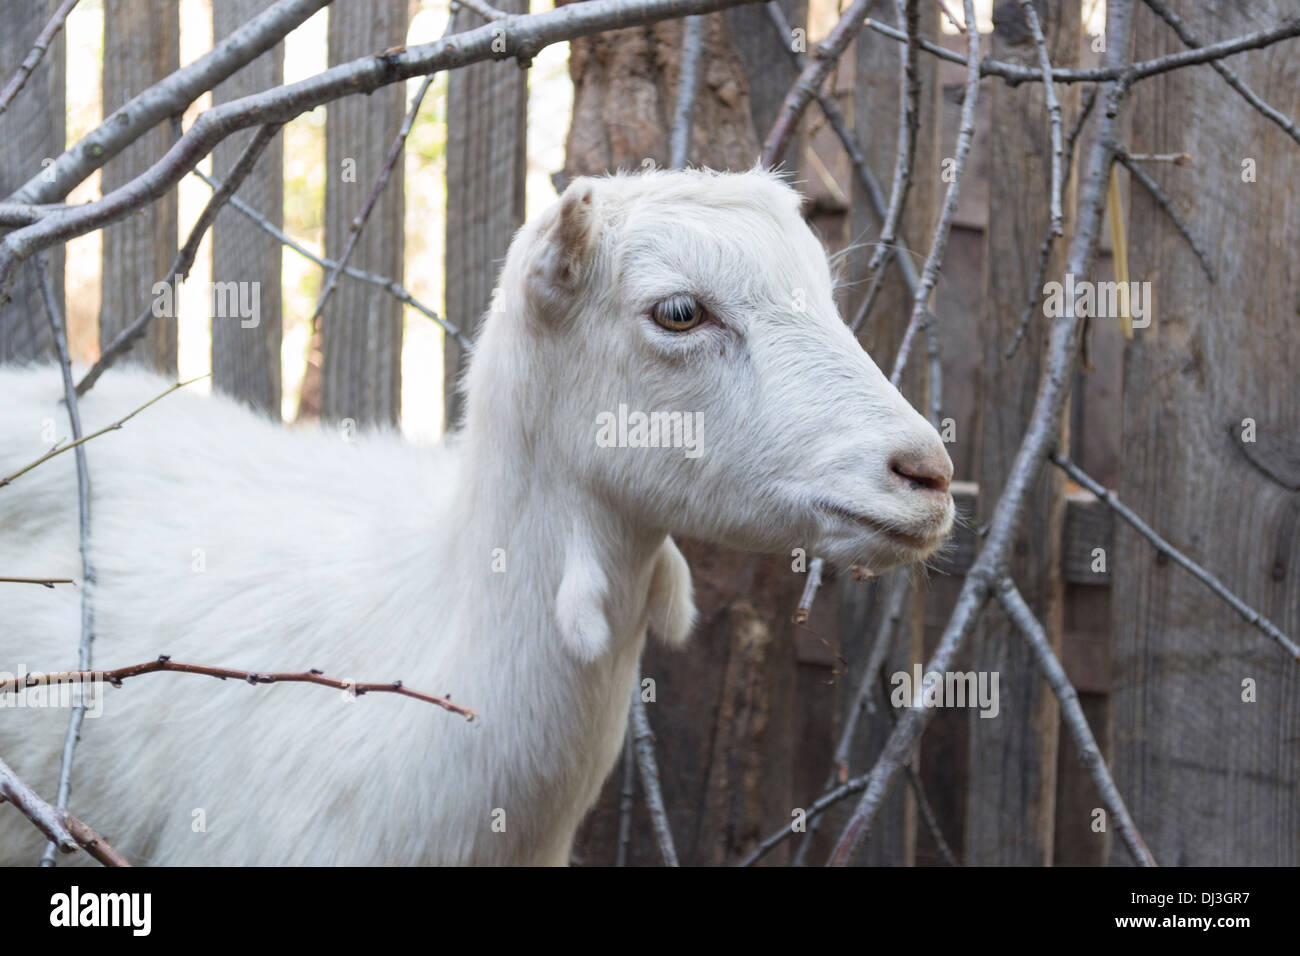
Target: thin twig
x,y
1229,75
909,124
44,582
809,591
165,664
180,267
34,56
1045,247
890,595
61,448
1054,112
63,829
1178,159
815,71
852,146
1015,74
88,577
688,84
1111,500
930,273
376,189
1072,713
643,739
1166,204
1040,437
392,288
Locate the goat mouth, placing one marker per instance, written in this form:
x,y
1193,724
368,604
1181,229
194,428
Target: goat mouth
x,y
914,542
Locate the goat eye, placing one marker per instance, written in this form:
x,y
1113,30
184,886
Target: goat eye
x,y
678,313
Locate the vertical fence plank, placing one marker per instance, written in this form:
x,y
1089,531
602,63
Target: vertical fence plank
x,y
486,165
30,130
361,328
246,359
875,120
1211,777
141,46
1012,790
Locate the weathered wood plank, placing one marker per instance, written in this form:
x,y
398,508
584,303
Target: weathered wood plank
x,y
1211,778
1012,790
141,46
486,164
361,328
246,357
31,130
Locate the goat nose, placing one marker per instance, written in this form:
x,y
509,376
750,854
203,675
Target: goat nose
x,y
925,471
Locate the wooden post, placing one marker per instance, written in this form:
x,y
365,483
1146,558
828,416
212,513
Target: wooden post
x,y
486,166
361,328
31,131
1206,709
1011,795
875,119
246,357
141,46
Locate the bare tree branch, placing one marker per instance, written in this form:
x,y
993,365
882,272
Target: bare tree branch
x,y
88,577
1040,438
1166,204
46,817
643,739
60,448
1072,713
44,582
519,37
852,146
33,58
817,68
1045,248
688,83
1288,28
1229,75
1053,110
385,173
165,664
909,123
180,267
930,273
167,98
392,288
1111,500
891,594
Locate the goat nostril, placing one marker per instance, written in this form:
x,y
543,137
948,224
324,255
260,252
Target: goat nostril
x,y
931,473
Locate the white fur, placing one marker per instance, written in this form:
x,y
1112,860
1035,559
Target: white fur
x,y
373,560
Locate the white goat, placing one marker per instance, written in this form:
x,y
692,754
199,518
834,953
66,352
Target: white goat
x,y
516,568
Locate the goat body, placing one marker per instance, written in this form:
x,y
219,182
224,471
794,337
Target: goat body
x,y
516,568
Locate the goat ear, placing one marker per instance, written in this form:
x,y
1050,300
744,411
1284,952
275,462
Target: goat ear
x,y
580,600
566,247
671,604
